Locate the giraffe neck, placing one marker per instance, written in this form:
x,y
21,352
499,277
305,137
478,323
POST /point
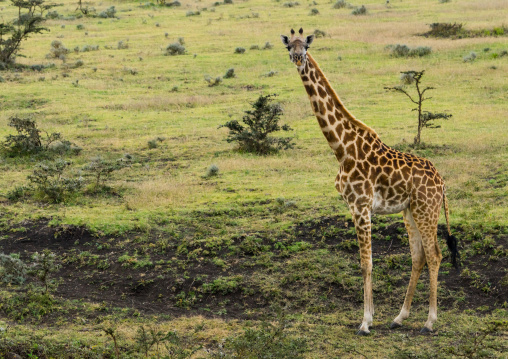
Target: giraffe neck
x,y
340,128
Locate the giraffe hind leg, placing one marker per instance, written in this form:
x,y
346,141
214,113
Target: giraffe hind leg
x,y
418,262
426,222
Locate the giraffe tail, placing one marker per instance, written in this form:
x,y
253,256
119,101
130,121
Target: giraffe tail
x,y
451,240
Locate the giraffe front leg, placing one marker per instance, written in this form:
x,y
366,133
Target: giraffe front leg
x,y
363,230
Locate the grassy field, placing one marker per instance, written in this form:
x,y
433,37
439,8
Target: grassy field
x,y
261,258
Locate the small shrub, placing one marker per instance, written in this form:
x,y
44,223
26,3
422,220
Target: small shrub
x,y
175,49
80,26
228,1
122,45
254,47
470,58
340,4
445,29
267,46
108,13
213,82
270,73
239,50
50,184
230,73
57,50
43,264
12,269
319,33
212,171
78,63
28,139
405,51
314,11
52,15
261,121
181,41
192,13
291,4
100,170
359,11
88,48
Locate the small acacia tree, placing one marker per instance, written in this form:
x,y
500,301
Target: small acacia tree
x,y
425,118
261,122
13,33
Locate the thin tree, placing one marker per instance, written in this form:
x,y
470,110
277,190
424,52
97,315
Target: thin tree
x,y
425,118
29,20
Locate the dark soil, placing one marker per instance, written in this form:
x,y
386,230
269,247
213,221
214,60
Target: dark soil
x,y
173,283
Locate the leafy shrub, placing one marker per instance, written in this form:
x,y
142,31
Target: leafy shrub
x,y
360,11
444,29
267,46
78,63
100,170
108,13
261,122
52,15
239,50
212,171
405,51
28,140
470,58
43,265
340,4
88,48
314,11
122,45
268,341
12,269
319,33
213,82
230,73
80,26
254,47
175,49
57,50
50,184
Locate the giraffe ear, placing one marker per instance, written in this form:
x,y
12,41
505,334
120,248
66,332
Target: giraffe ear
x,y
285,40
309,39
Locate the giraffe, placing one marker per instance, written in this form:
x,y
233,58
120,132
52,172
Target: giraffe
x,y
376,179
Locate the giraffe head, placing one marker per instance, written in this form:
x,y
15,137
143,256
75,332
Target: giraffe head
x,y
297,47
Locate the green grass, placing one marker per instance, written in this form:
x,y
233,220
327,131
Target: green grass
x,y
121,100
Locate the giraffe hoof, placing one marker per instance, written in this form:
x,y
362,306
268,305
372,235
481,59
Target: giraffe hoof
x,y
362,333
395,325
425,330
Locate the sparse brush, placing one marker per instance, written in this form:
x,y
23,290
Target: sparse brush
x,y
319,33
340,4
239,50
100,170
88,48
254,47
12,269
212,171
213,82
108,13
80,26
192,13
405,51
291,4
362,10
181,41
314,11
270,73
470,58
57,50
122,45
267,46
230,73
175,49
78,63
43,265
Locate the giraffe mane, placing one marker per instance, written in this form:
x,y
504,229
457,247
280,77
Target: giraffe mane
x,y
334,95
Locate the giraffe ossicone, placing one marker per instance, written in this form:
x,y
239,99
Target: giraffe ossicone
x,y
376,179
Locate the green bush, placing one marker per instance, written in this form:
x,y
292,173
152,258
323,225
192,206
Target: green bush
x,y
239,50
108,13
405,51
360,11
340,4
175,48
50,183
12,269
261,122
314,11
57,50
230,73
100,170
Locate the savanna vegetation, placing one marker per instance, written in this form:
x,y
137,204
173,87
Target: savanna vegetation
x,y
131,227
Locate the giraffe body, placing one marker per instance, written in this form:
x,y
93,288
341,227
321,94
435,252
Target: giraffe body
x,y
376,179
